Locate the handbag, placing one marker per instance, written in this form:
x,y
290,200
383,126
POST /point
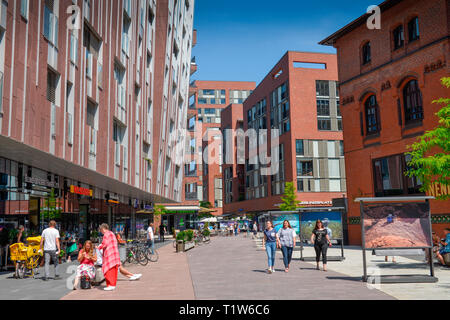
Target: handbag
x,y
85,282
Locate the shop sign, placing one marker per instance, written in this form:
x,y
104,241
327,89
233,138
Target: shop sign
x,y
81,191
113,201
41,182
316,203
438,190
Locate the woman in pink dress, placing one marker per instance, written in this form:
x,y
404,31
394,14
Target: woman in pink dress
x,y
111,258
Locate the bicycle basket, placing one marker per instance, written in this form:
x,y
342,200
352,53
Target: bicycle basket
x,y
33,241
18,252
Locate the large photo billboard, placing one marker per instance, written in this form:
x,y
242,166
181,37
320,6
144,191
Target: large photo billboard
x,y
292,218
332,221
400,225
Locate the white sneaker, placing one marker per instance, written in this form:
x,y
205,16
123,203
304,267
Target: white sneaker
x,y
273,270
109,288
135,277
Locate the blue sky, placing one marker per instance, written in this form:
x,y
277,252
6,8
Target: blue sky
x,y
242,40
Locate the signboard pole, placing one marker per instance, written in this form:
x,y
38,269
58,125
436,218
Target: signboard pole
x,y
430,250
361,208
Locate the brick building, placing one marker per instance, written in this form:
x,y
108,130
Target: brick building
x,y
89,111
387,95
208,99
298,97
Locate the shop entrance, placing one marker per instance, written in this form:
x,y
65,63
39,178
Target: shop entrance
x,y
83,231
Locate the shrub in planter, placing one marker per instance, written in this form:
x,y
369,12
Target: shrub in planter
x,y
206,232
189,235
180,236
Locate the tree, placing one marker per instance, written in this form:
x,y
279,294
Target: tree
x,y
430,155
159,210
205,204
289,198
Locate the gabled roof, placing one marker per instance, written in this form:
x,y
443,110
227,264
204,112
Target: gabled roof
x,y
331,40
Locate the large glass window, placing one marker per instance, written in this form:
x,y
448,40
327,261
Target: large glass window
x,y
366,53
322,88
399,37
412,99
371,110
304,168
389,177
413,29
299,147
323,108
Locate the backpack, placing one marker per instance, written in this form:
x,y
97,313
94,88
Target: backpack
x,y
85,282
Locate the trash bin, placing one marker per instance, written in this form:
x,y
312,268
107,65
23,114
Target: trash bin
x,y
122,252
180,246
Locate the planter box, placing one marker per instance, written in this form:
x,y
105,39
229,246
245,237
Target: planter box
x,y
189,245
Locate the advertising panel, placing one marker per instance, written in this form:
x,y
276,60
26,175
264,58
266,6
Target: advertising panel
x,y
332,221
400,225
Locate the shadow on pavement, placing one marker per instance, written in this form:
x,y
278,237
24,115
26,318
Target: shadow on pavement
x,y
397,265
357,279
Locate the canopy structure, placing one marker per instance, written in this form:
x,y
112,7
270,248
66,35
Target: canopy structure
x,y
214,219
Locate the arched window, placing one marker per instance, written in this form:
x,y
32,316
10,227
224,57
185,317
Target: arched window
x,y
413,29
366,53
372,118
412,102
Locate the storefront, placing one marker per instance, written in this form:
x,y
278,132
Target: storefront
x,y
32,197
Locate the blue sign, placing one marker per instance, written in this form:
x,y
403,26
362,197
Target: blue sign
x,y
293,219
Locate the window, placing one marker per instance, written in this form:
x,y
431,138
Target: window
x,y
90,114
371,111
300,185
413,29
334,170
389,178
399,37
412,98
299,147
304,168
50,23
52,84
324,124
341,148
73,48
323,108
191,124
339,123
366,53
24,9
1,91
322,88
202,101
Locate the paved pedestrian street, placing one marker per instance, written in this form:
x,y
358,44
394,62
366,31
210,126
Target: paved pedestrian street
x,y
233,268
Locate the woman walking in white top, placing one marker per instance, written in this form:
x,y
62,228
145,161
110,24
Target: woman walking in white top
x,y
286,241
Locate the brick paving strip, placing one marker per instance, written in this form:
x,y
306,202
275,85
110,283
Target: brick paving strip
x,y
234,269
167,279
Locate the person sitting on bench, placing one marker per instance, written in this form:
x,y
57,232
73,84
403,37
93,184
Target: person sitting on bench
x,y
445,247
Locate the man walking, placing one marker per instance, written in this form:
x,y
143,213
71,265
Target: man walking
x,y
151,237
162,231
50,244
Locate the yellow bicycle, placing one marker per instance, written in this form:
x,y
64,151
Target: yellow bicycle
x,y
26,257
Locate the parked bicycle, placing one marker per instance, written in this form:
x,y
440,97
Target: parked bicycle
x,y
136,253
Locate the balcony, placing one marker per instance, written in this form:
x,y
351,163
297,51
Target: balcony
x,y
194,38
191,196
193,66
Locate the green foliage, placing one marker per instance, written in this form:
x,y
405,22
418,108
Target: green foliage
x,y
12,235
205,204
180,236
205,215
290,202
430,155
159,210
206,232
189,235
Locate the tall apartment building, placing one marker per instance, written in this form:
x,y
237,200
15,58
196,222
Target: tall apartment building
x,y
88,108
298,97
207,101
388,80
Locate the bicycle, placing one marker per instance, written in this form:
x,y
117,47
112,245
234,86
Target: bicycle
x,y
136,254
152,255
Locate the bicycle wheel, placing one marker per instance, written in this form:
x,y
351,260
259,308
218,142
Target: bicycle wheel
x,y
21,270
174,244
199,240
154,256
142,257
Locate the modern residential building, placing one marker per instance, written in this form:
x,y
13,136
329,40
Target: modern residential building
x,y
388,80
298,97
92,94
207,101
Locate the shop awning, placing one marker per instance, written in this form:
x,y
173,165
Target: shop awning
x,y
20,152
